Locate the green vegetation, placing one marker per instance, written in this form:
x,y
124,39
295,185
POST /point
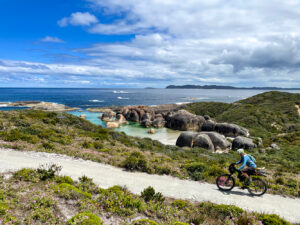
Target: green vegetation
x,y
85,219
271,116
25,202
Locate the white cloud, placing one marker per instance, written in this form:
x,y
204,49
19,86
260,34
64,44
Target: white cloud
x,y
78,19
52,39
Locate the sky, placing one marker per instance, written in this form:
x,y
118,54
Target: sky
x,y
149,43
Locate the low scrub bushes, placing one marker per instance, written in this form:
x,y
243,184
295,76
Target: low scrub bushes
x,y
272,219
136,161
144,222
69,191
149,194
85,219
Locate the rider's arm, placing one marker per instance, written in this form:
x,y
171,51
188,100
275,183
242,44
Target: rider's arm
x,y
239,162
244,163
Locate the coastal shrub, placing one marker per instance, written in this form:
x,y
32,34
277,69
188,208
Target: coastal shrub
x,y
86,144
136,161
3,208
86,184
69,191
16,135
221,211
195,170
27,175
48,171
272,219
144,222
120,201
48,146
85,219
98,145
64,179
149,194
179,204
179,223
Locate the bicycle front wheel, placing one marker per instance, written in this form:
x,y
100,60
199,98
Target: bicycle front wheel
x,y
257,187
225,182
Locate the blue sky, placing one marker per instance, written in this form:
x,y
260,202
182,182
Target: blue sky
x,y
127,43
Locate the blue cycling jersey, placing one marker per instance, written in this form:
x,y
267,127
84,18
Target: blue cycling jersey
x,y
246,160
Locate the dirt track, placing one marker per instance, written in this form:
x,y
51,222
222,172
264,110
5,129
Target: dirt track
x,y
107,176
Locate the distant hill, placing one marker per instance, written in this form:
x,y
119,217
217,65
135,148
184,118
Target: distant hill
x,y
225,87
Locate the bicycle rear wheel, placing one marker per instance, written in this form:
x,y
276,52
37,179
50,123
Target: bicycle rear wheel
x,y
225,182
257,187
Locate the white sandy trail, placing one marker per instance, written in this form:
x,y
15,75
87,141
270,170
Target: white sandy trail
x,y
106,176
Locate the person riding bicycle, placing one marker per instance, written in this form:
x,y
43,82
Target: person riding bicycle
x,y
250,169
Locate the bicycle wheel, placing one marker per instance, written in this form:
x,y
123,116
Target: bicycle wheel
x,y
257,187
225,182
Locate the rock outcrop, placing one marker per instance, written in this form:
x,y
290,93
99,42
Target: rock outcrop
x,y
228,129
108,116
45,106
208,140
184,120
243,142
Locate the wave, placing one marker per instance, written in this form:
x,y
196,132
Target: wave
x,y
181,103
120,92
3,105
95,100
123,98
194,98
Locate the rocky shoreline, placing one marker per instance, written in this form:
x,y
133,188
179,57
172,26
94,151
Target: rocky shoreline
x,y
198,131
40,105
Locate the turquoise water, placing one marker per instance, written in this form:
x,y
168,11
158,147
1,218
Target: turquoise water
x,y
164,135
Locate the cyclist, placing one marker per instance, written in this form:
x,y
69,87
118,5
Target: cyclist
x,y
249,170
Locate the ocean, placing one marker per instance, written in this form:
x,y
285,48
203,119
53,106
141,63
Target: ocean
x,y
90,98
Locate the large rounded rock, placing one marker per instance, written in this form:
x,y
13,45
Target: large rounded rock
x,y
203,141
146,123
147,116
112,125
183,120
219,141
108,116
186,139
120,119
134,116
208,125
231,130
243,142
158,122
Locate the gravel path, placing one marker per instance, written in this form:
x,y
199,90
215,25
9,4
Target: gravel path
x,y
106,176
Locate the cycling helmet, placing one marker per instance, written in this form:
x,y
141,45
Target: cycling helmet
x,y
240,151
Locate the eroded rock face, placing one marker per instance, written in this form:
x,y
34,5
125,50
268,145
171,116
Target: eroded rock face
x,y
146,123
121,119
231,130
158,122
208,140
243,142
134,116
112,124
108,116
186,139
204,141
184,120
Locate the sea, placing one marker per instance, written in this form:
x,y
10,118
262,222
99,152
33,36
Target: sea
x,y
84,98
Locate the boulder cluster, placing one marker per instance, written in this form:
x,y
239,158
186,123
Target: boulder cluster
x,y
199,131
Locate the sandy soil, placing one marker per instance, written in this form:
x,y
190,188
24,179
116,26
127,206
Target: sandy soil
x,y
106,176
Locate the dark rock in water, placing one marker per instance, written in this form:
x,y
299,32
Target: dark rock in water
x,y
203,141
108,116
275,146
206,117
219,140
146,123
183,120
147,116
186,139
231,130
158,122
208,125
243,142
134,116
120,119
208,140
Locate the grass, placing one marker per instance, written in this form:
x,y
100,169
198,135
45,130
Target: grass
x,y
62,133
25,202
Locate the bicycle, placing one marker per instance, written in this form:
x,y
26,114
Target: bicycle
x,y
257,186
